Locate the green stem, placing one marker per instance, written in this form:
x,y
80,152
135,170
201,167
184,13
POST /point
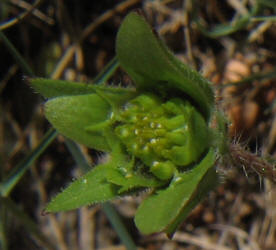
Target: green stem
x,y
107,71
18,58
3,230
77,155
118,225
263,18
14,177
258,76
27,222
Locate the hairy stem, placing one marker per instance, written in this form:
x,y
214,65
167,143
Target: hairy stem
x,y
240,157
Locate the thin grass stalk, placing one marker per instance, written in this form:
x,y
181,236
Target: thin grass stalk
x,y
107,71
16,55
118,225
16,174
3,231
257,76
27,222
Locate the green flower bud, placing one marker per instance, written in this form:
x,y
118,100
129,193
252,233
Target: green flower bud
x,y
164,136
163,170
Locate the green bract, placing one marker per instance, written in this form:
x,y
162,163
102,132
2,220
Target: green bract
x,y
158,135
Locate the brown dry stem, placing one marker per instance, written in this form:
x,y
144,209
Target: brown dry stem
x,y
240,157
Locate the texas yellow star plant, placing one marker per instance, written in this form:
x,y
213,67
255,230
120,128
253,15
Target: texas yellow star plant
x,y
158,134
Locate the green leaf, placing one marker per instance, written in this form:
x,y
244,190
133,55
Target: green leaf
x,y
167,208
89,189
154,68
71,115
268,3
224,29
209,180
50,88
129,181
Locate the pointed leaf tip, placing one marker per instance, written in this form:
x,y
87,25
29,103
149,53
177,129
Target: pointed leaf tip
x,y
89,189
51,88
153,67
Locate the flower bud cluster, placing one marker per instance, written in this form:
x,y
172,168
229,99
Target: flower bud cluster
x,y
164,136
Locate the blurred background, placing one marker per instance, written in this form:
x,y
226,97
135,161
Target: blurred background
x,y
231,42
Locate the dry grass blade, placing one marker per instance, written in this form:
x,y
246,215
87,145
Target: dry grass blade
x,y
20,17
241,236
70,52
37,13
201,241
105,16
